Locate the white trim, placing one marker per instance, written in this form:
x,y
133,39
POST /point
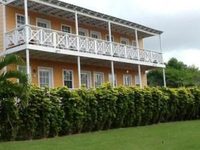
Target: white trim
x,y
96,33
90,77
124,39
66,26
72,77
48,22
97,72
46,68
86,31
124,75
88,55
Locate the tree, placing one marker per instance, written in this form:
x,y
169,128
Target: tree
x,y
12,94
177,74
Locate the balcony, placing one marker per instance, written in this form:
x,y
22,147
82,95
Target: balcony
x,y
52,39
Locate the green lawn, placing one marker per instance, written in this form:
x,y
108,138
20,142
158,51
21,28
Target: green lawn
x,y
168,136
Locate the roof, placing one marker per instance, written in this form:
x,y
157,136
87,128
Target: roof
x,y
102,15
89,12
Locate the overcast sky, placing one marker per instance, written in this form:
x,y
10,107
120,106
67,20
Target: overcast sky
x,y
179,19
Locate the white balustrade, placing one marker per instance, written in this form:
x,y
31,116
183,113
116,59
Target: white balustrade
x,y
66,41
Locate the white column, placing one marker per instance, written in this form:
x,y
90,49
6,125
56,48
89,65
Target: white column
x,y
28,64
137,43
79,71
110,36
140,75
4,31
113,73
26,19
164,78
76,27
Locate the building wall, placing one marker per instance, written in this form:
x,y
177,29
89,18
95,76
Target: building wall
x,y
58,68
1,27
56,24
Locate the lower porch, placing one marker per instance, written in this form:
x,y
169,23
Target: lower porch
x,y
56,70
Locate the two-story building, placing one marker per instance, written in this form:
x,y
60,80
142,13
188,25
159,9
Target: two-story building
x,y
67,45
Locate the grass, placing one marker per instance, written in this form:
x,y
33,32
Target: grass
x,y
167,136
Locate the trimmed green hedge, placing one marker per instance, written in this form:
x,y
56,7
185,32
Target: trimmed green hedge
x,y
61,111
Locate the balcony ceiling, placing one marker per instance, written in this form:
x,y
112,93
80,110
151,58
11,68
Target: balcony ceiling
x,y
38,7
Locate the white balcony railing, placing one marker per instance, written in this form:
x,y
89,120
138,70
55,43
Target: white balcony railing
x,y
66,41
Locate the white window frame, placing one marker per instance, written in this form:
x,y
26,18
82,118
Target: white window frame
x,y
86,31
48,22
52,78
96,33
90,77
110,77
107,37
22,15
72,77
94,77
124,39
66,26
137,80
124,77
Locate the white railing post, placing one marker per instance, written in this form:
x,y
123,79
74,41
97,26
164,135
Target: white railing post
x,y
110,37
77,30
140,75
54,40
137,43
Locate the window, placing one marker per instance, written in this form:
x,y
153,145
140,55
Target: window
x,y
46,77
137,80
86,79
98,79
43,23
124,41
110,79
68,78
95,34
20,20
127,80
107,38
65,28
83,32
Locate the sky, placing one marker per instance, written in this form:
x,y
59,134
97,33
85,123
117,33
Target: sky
x,y
178,19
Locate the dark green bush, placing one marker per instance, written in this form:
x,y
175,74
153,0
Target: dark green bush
x,y
60,111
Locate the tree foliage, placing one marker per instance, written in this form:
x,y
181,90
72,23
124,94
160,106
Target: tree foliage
x,y
177,75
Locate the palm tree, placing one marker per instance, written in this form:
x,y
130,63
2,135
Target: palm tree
x,y
6,76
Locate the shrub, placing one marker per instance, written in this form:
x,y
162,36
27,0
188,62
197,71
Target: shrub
x,y
60,111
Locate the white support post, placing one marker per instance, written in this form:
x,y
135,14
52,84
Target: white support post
x,y
113,73
77,30
137,43
28,64
164,78
110,36
26,20
4,31
79,71
140,75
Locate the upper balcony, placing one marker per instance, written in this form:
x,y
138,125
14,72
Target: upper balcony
x,y
55,41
